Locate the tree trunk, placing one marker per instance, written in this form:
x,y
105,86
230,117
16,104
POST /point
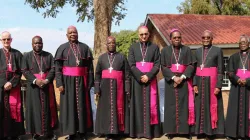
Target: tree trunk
x,y
103,10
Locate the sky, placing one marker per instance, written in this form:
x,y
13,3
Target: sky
x,y
23,22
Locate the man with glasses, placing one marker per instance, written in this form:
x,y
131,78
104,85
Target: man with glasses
x,y
207,82
112,86
177,69
237,121
74,78
11,111
41,111
144,61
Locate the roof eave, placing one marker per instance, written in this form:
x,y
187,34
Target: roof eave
x,y
161,34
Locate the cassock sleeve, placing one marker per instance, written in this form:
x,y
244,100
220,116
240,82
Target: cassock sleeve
x,y
220,69
127,75
166,72
59,76
190,68
231,71
98,76
195,62
132,63
156,66
26,69
51,73
15,80
90,70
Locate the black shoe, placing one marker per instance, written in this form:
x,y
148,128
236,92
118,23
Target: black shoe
x,y
83,138
35,137
52,137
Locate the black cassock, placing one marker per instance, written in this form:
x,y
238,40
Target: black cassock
x,y
140,104
75,103
213,58
176,108
112,110
41,112
237,119
11,126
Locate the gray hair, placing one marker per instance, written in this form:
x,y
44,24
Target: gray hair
x,y
244,36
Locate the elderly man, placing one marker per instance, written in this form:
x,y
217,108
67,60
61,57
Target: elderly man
x,y
11,111
74,78
177,69
41,113
144,61
207,87
237,121
112,84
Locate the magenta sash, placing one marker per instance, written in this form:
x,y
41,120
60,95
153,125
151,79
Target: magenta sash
x,y
15,103
81,71
75,71
118,75
147,66
191,116
212,73
53,110
240,73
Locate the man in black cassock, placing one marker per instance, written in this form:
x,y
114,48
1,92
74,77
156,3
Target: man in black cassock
x,y
144,61
237,124
74,78
112,86
39,71
207,87
177,69
11,111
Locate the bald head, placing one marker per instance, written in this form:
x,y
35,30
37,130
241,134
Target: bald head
x,y
143,34
37,44
244,43
36,37
6,39
207,38
111,44
72,34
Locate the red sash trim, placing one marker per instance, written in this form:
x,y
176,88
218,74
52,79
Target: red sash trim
x,y
191,115
75,71
52,104
146,67
15,103
212,73
118,75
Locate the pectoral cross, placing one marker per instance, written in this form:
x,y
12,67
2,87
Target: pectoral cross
x,y
77,62
143,62
244,69
41,73
110,69
177,66
9,65
202,66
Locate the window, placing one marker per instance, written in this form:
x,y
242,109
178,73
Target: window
x,y
226,83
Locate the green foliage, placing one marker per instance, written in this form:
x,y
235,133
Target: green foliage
x,y
215,7
124,39
84,8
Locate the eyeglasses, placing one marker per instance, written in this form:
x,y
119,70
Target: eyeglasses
x,y
243,42
4,39
142,34
206,37
177,37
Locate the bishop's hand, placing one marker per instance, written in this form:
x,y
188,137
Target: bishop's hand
x,y
61,88
39,83
196,90
7,86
